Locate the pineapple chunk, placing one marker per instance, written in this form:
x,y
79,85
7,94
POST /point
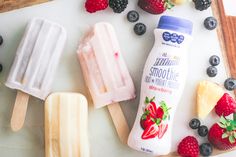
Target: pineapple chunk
x,y
208,94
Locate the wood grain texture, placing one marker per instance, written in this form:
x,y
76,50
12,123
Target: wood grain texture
x,y
119,121
19,111
226,31
7,5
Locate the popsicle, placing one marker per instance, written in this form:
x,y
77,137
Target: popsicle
x,y
35,64
66,125
106,74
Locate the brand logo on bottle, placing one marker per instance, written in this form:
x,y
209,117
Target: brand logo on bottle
x,y
173,37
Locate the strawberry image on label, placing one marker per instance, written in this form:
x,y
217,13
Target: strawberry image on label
x,y
152,119
150,132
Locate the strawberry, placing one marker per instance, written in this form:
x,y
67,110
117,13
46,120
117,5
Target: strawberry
x,y
225,106
162,130
222,135
162,111
150,132
96,5
155,6
146,120
188,147
151,107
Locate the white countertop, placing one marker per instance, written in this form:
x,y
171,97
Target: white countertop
x,y
103,139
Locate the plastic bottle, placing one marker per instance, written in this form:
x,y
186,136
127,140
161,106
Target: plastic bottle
x,y
162,85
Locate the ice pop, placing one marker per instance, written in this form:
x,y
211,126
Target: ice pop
x,y
66,125
106,74
35,64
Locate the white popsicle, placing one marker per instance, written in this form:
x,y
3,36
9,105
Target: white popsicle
x,y
103,66
106,74
35,64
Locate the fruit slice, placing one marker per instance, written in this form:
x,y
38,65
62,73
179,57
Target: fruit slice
x,y
208,94
162,130
150,132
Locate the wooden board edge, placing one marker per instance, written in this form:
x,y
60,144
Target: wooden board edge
x,y
4,8
221,39
216,14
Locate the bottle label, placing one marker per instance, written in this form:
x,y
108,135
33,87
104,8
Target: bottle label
x,y
153,119
163,74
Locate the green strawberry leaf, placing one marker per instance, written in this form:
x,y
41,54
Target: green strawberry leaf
x,y
153,120
231,139
234,134
164,117
223,120
158,121
229,128
146,100
222,125
144,116
168,4
225,135
152,99
233,124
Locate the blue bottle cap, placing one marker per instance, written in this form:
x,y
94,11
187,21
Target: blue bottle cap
x,y
175,24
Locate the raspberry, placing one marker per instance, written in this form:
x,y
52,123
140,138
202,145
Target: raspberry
x,y
96,5
188,147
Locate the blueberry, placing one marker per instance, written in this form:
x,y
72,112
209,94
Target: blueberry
x,y
230,84
1,40
211,71
210,23
202,130
194,123
133,16
1,67
139,28
206,149
214,60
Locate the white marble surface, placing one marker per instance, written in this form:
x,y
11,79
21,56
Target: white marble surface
x,y
103,139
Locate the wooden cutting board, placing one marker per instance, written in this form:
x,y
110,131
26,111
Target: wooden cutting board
x,y
226,32
8,5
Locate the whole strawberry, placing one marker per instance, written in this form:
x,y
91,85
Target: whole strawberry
x,y
155,6
188,147
225,106
222,135
95,5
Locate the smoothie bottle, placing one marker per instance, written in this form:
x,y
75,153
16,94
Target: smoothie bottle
x,y
162,85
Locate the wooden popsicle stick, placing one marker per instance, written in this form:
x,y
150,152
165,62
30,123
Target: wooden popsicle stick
x,y
19,111
119,121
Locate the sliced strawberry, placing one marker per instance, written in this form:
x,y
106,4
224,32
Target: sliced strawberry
x,y
162,130
150,132
151,106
